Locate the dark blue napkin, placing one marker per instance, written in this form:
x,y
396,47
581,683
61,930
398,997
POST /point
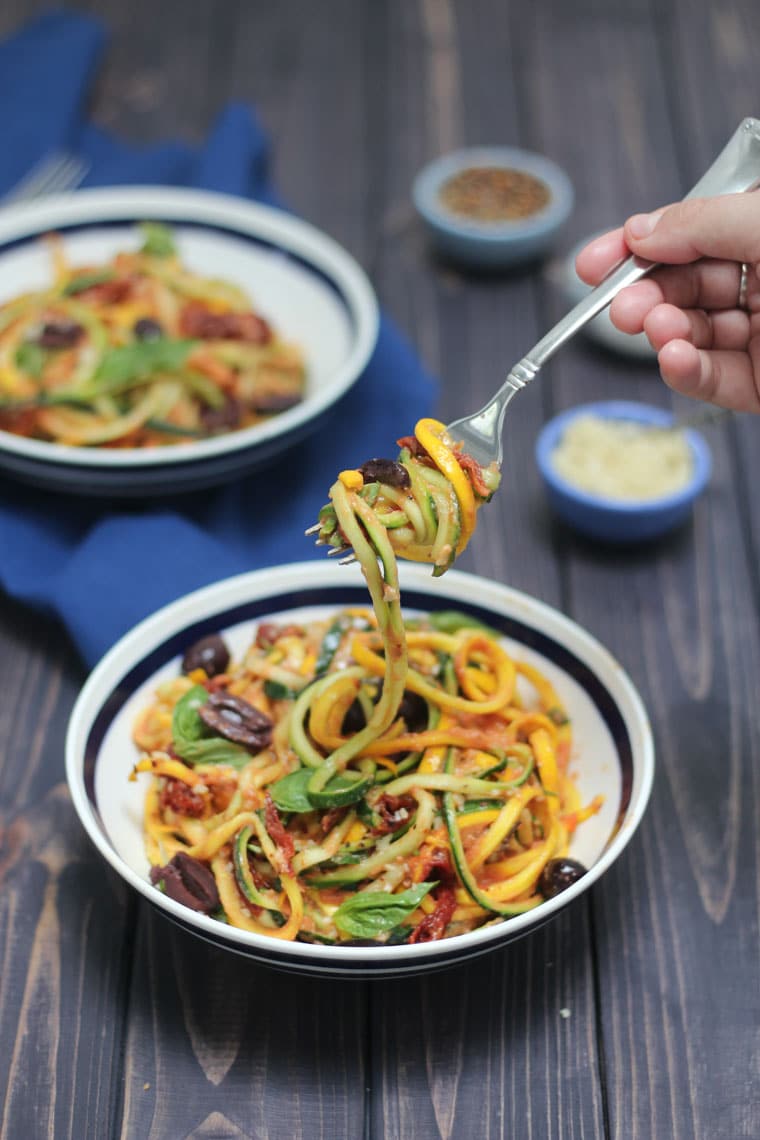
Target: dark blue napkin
x,y
100,568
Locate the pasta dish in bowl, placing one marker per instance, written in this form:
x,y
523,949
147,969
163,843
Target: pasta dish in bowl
x,y
518,744
176,339
139,351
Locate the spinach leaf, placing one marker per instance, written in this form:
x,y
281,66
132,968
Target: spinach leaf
x,y
186,722
30,358
130,364
158,240
289,793
84,281
330,644
276,691
194,741
373,912
213,750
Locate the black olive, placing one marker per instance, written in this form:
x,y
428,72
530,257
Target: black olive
x,y
237,720
414,710
354,720
188,881
60,334
147,329
225,418
209,654
385,471
558,875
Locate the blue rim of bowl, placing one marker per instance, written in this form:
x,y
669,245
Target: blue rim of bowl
x,y
428,183
630,410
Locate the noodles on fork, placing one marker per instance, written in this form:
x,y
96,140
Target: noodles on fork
x,y
363,777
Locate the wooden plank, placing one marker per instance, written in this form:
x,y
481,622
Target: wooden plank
x,y
718,41
219,1046
63,916
287,1068
263,1054
503,1046
682,619
489,1033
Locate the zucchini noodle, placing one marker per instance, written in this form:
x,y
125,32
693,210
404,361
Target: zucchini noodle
x,y
410,783
139,352
403,782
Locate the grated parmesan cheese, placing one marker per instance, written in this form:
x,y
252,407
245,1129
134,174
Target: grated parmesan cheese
x,y
622,459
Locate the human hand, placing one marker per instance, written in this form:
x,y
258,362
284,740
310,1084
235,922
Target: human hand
x,y
708,344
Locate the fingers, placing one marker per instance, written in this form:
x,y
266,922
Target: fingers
x,y
597,258
727,330
721,377
726,227
664,322
704,285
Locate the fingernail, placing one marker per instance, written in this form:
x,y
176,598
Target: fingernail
x,y
641,225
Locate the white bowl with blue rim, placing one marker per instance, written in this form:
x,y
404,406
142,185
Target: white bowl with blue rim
x,y
313,292
618,520
613,748
492,244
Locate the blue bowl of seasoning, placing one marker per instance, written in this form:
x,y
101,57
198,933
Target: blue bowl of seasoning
x,y
493,207
588,497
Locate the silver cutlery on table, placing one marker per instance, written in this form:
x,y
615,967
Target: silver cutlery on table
x,y
56,173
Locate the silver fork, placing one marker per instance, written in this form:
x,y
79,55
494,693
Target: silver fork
x,y
54,174
736,169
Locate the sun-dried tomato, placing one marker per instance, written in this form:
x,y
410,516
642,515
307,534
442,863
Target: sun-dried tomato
x,y
196,320
178,797
107,292
331,818
269,632
277,832
432,863
394,812
414,447
433,925
472,468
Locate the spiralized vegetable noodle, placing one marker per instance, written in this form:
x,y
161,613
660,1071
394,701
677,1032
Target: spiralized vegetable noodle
x,y
139,352
363,777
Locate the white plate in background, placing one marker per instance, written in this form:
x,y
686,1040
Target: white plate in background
x,y
297,277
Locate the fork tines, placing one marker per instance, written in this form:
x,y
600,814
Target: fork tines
x,y
53,174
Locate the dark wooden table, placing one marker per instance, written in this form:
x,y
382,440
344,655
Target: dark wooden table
x,y
112,1023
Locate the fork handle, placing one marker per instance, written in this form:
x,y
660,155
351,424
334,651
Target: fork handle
x,y
736,169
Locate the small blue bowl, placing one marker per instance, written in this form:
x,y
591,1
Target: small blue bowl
x,y
615,520
487,244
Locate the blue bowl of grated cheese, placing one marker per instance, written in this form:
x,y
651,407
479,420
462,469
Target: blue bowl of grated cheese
x,y
621,471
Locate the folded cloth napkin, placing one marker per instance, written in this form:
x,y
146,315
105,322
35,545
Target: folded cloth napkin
x,y
100,568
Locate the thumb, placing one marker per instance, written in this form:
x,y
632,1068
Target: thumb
x,y
726,227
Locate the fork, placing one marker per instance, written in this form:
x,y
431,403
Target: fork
x,y
736,169
54,174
